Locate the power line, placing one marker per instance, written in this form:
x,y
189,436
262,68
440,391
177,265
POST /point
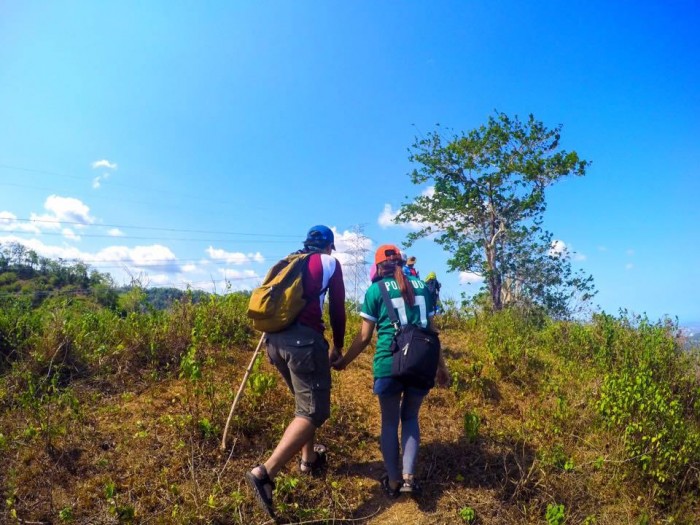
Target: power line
x,y
123,200
201,260
111,183
140,237
132,227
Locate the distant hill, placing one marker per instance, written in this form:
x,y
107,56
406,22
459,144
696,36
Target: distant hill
x,y
23,273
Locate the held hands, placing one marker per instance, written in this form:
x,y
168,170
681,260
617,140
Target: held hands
x,y
336,359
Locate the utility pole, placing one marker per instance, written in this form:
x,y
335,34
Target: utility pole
x,y
357,252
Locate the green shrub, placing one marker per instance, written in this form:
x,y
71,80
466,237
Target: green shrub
x,y
471,423
656,434
555,514
649,393
467,514
222,320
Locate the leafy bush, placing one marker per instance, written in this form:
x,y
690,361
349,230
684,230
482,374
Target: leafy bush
x,y
649,393
556,514
467,514
656,435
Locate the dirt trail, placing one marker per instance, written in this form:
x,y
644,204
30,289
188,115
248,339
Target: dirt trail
x,y
438,504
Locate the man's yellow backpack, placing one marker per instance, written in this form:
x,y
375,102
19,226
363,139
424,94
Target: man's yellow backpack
x,y
277,302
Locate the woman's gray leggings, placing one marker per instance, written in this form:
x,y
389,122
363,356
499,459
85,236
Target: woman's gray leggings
x,y
399,406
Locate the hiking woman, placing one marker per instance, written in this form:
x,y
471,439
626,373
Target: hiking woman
x,y
398,403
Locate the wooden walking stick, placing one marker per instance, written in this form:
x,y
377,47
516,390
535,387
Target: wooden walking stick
x,y
240,391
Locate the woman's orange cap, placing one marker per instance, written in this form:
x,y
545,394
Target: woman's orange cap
x,y
387,252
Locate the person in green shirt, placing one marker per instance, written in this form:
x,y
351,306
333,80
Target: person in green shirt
x,y
399,404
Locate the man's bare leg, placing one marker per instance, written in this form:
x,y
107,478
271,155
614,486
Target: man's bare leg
x,y
298,434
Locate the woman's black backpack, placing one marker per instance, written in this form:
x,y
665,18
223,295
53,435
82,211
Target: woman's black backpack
x,y
415,350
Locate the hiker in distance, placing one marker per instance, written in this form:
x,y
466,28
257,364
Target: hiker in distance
x,y
301,354
398,401
409,269
434,286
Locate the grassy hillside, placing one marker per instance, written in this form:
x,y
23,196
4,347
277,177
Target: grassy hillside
x,y
116,417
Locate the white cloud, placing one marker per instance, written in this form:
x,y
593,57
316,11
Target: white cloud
x,y
189,268
70,234
97,181
470,278
230,273
630,252
386,220
629,266
60,209
234,257
69,209
386,217
7,219
115,232
557,248
46,222
9,222
237,280
388,214
160,279
104,164
54,252
155,257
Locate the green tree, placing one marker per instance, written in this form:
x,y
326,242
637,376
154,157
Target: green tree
x,y
487,209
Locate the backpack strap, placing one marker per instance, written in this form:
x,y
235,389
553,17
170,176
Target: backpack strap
x,y
390,307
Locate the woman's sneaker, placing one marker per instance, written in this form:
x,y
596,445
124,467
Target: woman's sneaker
x,y
410,486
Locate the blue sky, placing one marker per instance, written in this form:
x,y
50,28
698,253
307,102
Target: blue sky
x,y
192,142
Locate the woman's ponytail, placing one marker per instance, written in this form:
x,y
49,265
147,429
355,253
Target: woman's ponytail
x,y
405,286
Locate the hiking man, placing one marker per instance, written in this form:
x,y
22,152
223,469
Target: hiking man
x,y
408,269
301,355
433,286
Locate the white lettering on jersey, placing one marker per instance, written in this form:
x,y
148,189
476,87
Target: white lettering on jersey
x,y
400,306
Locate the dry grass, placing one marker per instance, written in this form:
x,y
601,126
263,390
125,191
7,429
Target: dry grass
x,y
134,450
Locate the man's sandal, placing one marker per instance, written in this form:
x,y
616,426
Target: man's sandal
x,y
314,467
259,490
386,486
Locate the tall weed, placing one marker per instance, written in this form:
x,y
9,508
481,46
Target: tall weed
x,y
511,341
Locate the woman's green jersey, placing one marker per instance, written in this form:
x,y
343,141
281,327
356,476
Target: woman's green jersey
x,y
373,309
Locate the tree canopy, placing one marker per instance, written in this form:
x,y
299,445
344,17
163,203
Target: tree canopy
x,y
486,209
